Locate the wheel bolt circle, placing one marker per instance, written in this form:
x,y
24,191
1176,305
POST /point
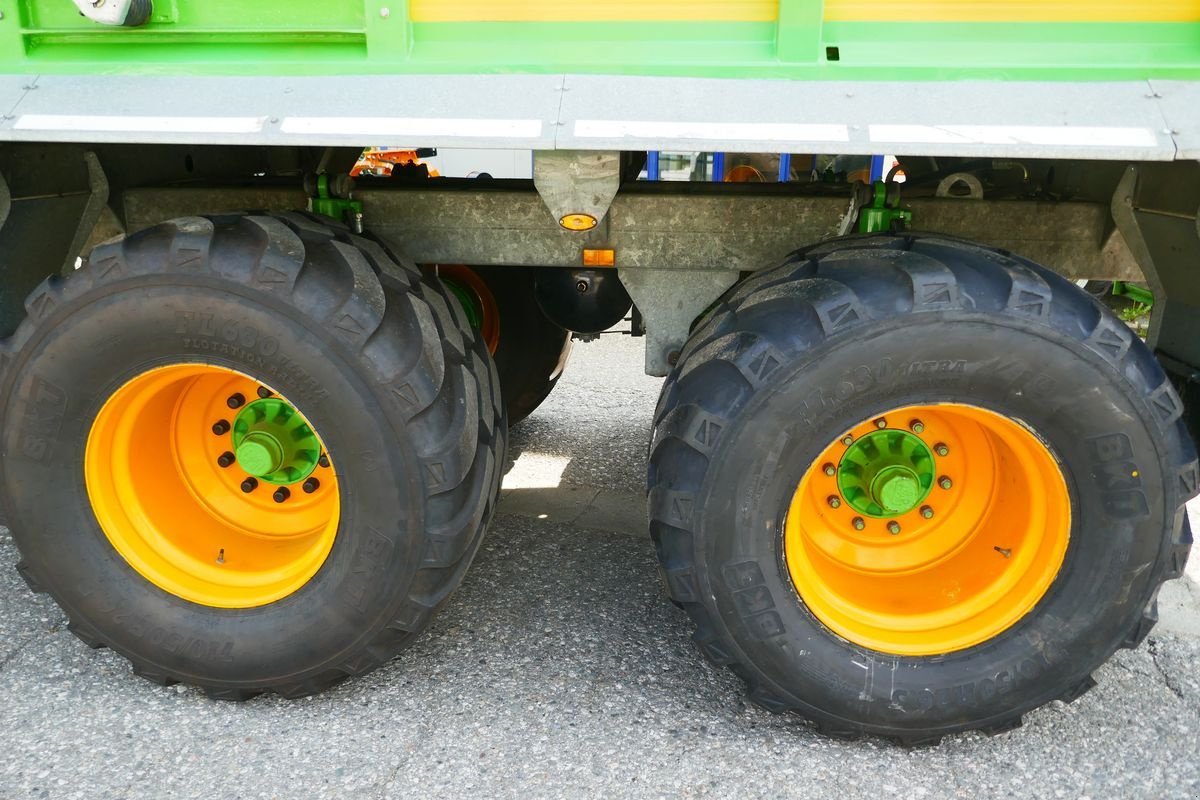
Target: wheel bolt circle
x,y
881,423
311,485
858,523
281,494
916,426
835,502
221,427
893,527
323,460
829,469
945,482
926,512
849,440
249,485
226,459
264,392
236,400
941,449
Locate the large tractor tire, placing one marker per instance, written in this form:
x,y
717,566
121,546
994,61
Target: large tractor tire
x,y
530,351
249,453
908,486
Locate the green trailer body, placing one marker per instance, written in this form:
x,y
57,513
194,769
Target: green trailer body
x,y
908,479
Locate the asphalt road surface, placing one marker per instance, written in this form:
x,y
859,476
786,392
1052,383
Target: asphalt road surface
x,y
560,670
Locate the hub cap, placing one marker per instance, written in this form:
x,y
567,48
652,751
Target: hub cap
x,y
886,473
928,530
215,500
273,443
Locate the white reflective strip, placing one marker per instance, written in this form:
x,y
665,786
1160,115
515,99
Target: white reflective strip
x,y
1047,135
719,131
114,124
414,127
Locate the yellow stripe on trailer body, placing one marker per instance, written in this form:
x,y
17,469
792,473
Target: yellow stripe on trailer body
x,y
834,11
1012,11
622,11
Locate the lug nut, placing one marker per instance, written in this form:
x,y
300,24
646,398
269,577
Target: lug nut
x,y
220,427
311,485
941,449
249,485
926,512
829,469
858,523
945,482
281,494
893,527
226,459
323,460
881,423
916,426
835,502
264,392
849,440
236,400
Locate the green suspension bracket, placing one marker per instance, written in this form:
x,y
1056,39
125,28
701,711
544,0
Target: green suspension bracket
x,y
335,201
884,212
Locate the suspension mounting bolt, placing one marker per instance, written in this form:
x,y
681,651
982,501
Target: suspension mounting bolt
x,y
881,423
858,523
941,449
226,459
926,512
249,485
835,501
264,392
220,427
945,482
310,485
916,426
281,494
893,527
829,469
236,400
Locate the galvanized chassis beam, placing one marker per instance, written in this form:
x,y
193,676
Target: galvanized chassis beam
x,y
651,228
677,249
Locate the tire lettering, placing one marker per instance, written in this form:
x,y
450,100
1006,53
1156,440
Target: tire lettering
x,y
970,693
175,643
1117,476
45,406
753,599
203,332
368,563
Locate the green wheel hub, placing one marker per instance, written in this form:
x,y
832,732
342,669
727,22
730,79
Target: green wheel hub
x,y
468,301
886,473
274,443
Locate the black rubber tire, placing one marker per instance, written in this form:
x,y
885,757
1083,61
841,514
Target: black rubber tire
x,y
843,331
532,351
380,358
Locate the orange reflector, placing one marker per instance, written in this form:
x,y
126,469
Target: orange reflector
x,y
578,222
599,258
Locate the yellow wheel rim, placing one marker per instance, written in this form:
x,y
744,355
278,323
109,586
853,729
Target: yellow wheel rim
x,y
946,556
167,487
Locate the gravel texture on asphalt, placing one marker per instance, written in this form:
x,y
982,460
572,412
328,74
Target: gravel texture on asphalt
x,y
558,670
